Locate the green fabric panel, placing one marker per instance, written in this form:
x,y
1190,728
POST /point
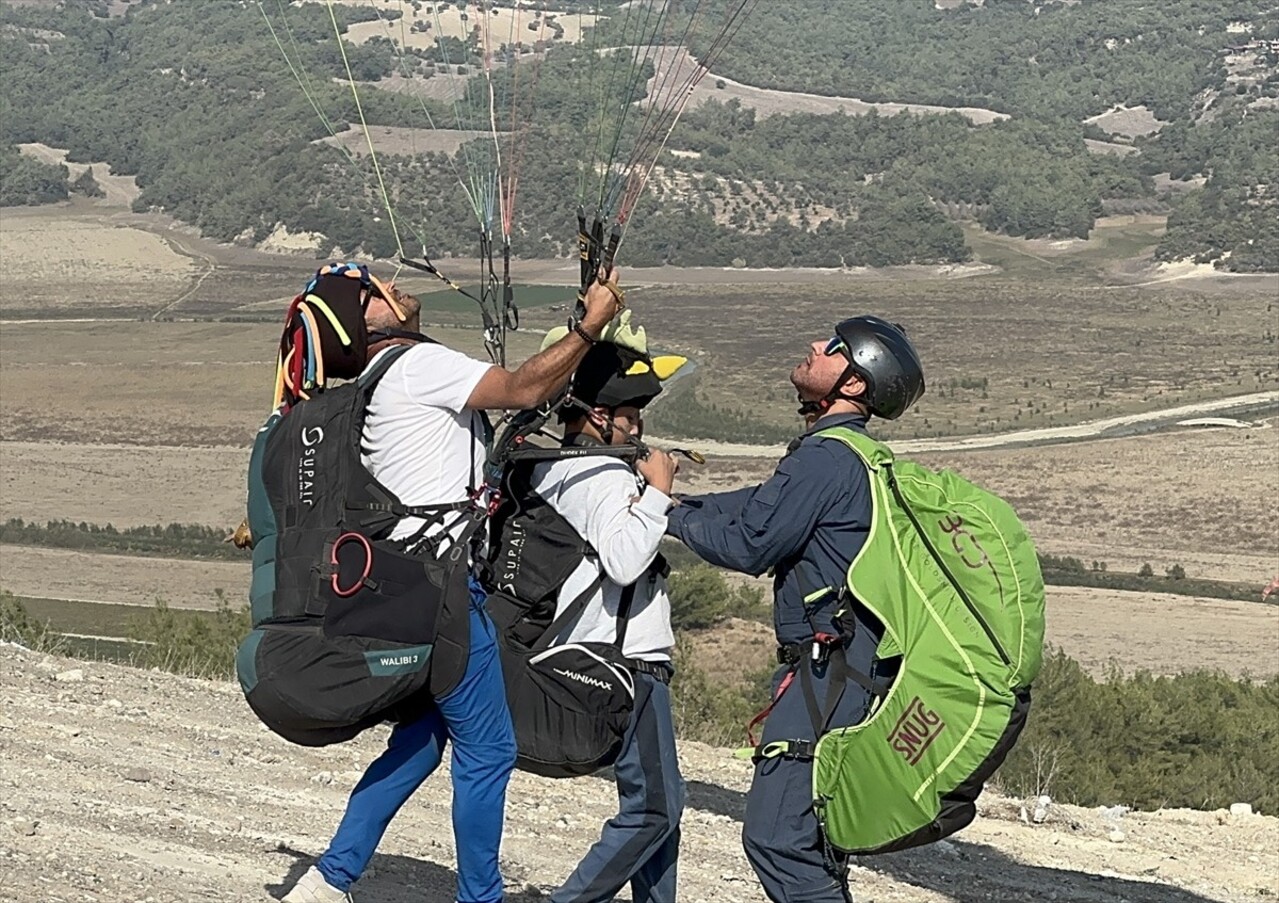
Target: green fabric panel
x,y
262,582
246,661
398,661
885,778
264,529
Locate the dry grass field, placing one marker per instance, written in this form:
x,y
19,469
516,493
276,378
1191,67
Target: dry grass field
x,y
1000,354
1129,122
121,579
506,25
389,139
674,66
165,383
124,485
78,263
139,422
1207,499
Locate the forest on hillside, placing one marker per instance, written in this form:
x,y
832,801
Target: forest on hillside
x,y
198,102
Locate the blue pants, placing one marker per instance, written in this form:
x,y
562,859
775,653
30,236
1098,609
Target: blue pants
x,y
781,835
640,844
475,718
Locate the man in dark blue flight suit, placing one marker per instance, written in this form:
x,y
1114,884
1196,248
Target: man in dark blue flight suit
x,y
807,522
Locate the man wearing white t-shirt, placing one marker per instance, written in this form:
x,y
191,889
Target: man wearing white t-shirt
x,y
622,516
423,439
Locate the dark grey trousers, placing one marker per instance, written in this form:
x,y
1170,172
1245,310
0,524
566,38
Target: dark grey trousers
x,y
781,835
640,844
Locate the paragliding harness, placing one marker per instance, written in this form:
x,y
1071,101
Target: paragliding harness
x,y
570,703
350,628
952,576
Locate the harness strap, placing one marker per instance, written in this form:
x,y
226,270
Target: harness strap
x,y
624,614
411,510
767,710
791,653
570,614
662,671
820,715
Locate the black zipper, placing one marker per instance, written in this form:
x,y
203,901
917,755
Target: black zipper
x,y
959,590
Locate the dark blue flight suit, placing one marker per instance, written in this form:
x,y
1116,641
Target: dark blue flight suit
x,y
807,522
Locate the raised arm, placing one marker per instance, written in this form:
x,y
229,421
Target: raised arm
x,y
543,374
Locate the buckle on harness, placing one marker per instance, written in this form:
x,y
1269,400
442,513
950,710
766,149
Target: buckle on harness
x,y
802,750
818,650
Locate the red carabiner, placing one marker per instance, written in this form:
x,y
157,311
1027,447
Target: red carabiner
x,y
368,563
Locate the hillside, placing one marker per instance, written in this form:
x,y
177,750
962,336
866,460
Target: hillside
x,y
126,785
795,158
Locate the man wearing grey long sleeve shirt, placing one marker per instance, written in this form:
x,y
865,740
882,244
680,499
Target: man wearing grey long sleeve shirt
x,y
621,513
807,523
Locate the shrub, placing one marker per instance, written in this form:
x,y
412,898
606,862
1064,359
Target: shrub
x,y
708,710
16,626
702,597
195,644
1199,739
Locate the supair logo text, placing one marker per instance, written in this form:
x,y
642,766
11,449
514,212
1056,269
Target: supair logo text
x,y
311,437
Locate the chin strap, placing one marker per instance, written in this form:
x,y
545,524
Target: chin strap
x,y
822,405
384,335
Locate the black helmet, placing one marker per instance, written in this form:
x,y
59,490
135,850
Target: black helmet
x,y
612,376
880,353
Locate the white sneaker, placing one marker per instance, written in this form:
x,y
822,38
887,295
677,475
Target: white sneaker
x,y
312,888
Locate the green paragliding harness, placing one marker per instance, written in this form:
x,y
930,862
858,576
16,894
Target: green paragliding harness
x,y
953,577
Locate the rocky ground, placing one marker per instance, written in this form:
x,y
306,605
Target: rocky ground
x,y
124,785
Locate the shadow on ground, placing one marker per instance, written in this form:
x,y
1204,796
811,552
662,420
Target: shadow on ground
x,y
395,879
973,872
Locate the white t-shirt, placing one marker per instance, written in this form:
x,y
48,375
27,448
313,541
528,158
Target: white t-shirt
x,y
596,496
420,440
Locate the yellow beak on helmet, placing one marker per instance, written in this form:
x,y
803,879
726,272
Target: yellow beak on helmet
x,y
667,365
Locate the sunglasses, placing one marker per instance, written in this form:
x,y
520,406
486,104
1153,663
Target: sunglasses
x,y
834,346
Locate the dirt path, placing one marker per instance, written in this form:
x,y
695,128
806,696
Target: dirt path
x,y
210,267
1041,436
122,785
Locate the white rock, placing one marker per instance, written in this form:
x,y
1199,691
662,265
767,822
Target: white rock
x,y
1024,816
75,675
1117,836
1241,809
1045,801
324,777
